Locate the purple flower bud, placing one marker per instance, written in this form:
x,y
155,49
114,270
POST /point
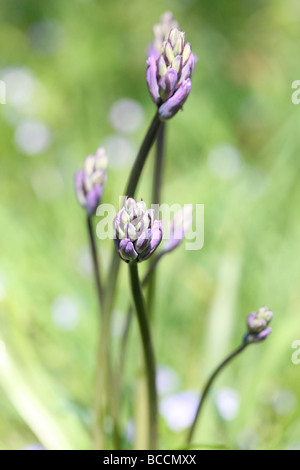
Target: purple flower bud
x,y
168,74
90,181
257,323
155,239
188,68
263,334
175,103
136,234
257,338
167,84
93,198
151,78
143,241
179,226
127,251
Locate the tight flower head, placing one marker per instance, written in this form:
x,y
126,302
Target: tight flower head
x,y
257,323
90,181
169,76
137,235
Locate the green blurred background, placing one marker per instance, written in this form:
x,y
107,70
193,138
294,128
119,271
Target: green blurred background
x,y
235,148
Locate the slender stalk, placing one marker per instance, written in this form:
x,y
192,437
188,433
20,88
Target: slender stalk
x,y
208,386
105,393
156,197
111,283
96,265
158,165
130,190
148,353
129,316
105,375
141,156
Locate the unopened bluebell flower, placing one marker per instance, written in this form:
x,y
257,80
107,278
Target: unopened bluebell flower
x,y
161,32
179,226
258,325
137,234
90,181
169,76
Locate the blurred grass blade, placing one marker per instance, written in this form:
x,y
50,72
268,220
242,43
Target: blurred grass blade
x,y
43,422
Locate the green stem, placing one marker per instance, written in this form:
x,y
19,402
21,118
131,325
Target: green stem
x,y
158,165
151,294
96,265
148,353
142,156
124,343
131,187
105,394
156,197
208,386
129,316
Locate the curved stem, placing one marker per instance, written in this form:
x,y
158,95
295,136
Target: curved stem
x,y
96,265
148,352
208,386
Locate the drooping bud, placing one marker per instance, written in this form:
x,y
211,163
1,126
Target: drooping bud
x,y
179,226
168,75
90,181
257,323
137,234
